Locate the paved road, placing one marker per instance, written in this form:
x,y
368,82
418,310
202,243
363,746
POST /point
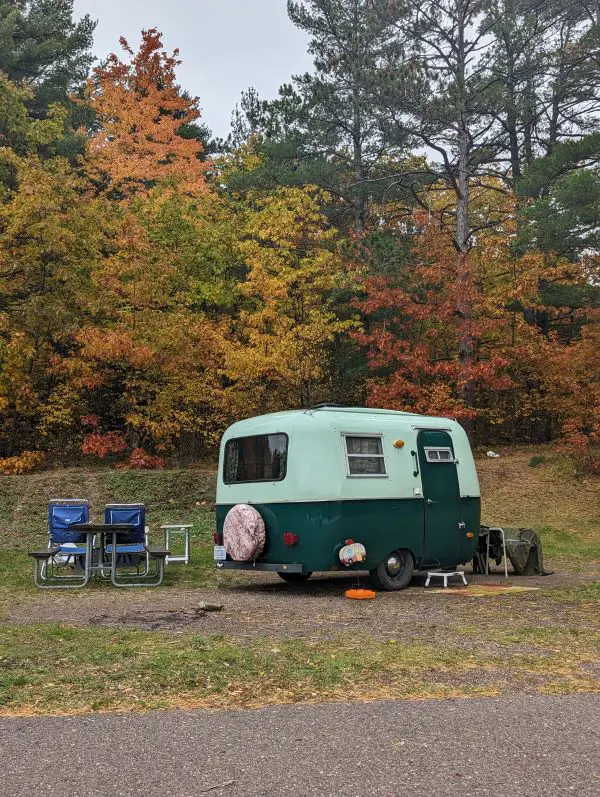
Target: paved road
x,y
517,746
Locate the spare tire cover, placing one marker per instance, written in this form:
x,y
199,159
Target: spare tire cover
x,y
244,533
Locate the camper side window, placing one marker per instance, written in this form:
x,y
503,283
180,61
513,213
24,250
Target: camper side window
x,y
439,455
262,458
365,456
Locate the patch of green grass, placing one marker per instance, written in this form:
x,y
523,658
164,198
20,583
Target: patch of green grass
x,y
200,572
10,490
553,637
587,594
53,669
171,491
536,461
16,568
16,574
564,546
50,669
171,496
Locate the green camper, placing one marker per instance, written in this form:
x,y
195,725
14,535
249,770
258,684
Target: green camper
x,y
297,490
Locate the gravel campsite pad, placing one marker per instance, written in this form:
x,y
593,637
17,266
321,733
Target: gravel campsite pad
x,y
262,606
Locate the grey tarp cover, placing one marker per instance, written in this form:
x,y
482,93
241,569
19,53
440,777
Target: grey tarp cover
x,y
523,548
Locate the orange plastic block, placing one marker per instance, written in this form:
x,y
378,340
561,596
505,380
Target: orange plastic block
x,y
361,594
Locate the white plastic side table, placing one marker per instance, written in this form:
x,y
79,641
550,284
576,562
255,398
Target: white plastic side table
x,y
445,576
175,530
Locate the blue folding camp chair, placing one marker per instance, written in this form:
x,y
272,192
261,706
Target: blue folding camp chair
x,y
66,562
131,560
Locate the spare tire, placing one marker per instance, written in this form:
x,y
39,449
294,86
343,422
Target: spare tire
x,y
244,533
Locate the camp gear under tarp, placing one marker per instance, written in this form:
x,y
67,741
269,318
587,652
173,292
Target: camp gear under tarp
x,y
523,548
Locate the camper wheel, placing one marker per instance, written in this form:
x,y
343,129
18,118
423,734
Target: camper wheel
x,y
395,572
294,578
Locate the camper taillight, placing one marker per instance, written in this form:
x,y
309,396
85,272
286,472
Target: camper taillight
x,y
290,539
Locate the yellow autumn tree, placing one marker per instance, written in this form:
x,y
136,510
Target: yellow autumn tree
x,y
53,235
279,348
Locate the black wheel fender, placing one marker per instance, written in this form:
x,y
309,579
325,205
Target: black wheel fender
x,y
294,578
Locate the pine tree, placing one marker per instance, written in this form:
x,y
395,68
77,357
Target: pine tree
x,y
324,129
42,46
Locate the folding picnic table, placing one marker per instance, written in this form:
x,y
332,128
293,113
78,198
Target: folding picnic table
x,y
102,531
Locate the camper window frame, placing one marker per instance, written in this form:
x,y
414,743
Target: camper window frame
x,y
428,449
348,456
256,481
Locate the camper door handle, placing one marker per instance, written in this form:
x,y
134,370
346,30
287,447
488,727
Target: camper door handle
x,y
429,501
416,470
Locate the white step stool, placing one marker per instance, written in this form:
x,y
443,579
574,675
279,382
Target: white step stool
x,y
445,576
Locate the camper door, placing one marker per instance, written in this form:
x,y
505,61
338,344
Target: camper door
x,y
441,494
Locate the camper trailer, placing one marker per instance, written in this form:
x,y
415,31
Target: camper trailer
x,y
298,490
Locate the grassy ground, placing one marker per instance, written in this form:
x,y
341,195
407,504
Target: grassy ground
x,y
547,496
175,496
57,669
540,641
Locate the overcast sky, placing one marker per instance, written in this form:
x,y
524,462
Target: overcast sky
x,y
226,45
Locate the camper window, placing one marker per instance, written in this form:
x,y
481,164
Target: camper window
x,y
256,459
364,455
439,455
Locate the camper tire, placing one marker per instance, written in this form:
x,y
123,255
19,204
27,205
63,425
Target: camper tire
x,y
395,572
294,578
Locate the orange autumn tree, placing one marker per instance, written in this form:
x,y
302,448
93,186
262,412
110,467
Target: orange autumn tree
x,y
581,415
149,367
570,376
140,113
146,364
414,331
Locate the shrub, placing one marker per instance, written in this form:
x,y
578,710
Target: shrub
x,y
582,442
26,462
139,459
536,461
104,444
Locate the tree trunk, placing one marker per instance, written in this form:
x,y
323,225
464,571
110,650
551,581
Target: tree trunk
x,y
512,116
359,202
466,345
357,153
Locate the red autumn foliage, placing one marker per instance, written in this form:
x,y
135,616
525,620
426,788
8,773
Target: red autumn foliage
x,y
91,421
421,323
139,459
101,445
576,390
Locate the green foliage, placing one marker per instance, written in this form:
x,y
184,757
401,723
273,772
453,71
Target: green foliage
x,y
536,461
566,157
565,219
42,46
323,129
